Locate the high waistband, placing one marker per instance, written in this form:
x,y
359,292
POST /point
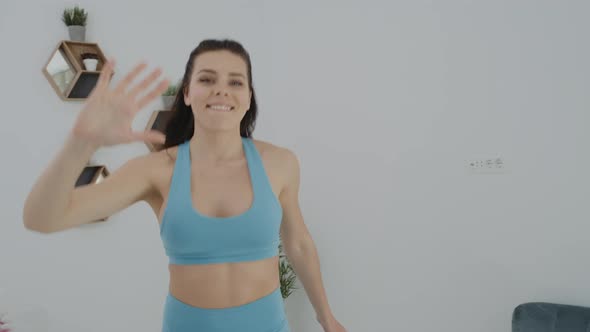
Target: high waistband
x,y
266,314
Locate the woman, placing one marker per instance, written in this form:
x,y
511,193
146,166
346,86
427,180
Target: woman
x,y
221,198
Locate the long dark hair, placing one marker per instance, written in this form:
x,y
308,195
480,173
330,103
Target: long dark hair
x,y
180,126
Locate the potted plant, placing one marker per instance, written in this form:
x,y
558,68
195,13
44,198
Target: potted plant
x,y
286,274
75,20
90,60
169,95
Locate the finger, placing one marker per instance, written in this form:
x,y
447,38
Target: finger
x,y
122,86
157,91
105,74
152,136
145,82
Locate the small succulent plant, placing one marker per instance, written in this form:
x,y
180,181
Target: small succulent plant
x,y
74,16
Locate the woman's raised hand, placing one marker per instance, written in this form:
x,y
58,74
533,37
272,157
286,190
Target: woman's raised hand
x,y
108,113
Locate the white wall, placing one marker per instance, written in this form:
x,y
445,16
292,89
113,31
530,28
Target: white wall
x,y
384,103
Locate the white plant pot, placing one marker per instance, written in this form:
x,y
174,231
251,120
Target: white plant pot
x,y
77,33
90,64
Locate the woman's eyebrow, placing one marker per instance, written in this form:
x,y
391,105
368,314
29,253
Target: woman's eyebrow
x,y
214,72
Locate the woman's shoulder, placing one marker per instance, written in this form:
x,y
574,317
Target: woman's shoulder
x,y
279,156
266,147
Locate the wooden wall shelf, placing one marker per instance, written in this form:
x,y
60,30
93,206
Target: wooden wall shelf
x,y
92,174
158,121
66,72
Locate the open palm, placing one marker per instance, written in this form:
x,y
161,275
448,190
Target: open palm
x,y
109,112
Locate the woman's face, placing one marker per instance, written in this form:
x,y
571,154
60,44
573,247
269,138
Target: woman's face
x,y
218,91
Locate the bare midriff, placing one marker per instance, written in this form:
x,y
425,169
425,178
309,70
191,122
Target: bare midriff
x,y
224,285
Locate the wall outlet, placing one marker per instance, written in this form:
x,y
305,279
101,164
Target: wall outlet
x,y
487,165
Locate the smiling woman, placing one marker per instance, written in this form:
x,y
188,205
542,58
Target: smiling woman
x,y
220,197
218,73
235,272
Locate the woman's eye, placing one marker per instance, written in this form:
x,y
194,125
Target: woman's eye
x,y
234,83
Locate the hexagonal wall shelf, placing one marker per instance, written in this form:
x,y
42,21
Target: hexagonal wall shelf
x,y
92,174
66,72
158,121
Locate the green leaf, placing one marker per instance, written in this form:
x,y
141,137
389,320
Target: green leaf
x,y
74,16
287,275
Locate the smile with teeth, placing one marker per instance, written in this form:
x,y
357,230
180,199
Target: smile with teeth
x,y
221,108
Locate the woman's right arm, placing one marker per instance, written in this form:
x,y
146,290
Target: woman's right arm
x,y
54,203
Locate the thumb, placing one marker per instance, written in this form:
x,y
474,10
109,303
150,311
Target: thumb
x,y
152,136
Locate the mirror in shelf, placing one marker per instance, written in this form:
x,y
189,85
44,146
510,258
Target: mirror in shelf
x,y
61,71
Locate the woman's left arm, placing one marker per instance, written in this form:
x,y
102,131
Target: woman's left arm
x,y
299,246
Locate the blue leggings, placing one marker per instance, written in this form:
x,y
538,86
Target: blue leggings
x,y
266,314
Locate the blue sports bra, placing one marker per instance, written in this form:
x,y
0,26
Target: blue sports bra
x,y
192,238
